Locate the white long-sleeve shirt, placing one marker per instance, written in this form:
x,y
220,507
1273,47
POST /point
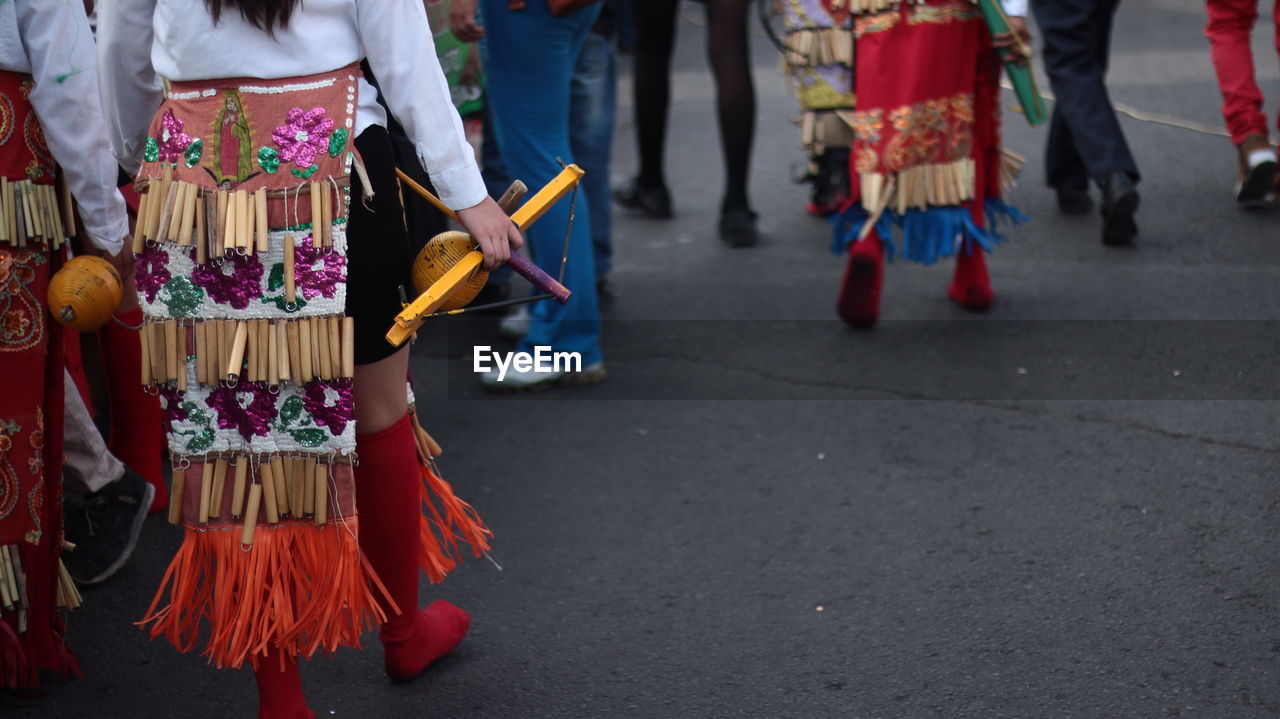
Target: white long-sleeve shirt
x,y
51,40
143,40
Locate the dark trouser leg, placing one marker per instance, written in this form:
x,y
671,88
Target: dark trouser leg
x,y
655,22
1076,37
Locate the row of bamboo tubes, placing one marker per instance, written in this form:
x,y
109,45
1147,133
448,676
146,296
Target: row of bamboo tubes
x,y
819,47
275,352
221,221
13,584
943,184
33,213
269,488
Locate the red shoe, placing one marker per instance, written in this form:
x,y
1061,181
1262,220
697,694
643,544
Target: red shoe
x,y
970,286
859,299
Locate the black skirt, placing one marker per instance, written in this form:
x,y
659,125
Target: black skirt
x,y
378,257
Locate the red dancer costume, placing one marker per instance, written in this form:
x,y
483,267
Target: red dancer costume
x,y
926,151
270,240
48,110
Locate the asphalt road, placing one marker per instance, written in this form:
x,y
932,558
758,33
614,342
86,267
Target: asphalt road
x,y
1064,509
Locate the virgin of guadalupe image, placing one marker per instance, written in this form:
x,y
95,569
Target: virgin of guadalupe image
x,y
233,144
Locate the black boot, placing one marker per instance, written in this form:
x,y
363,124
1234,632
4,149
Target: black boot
x,y
1119,203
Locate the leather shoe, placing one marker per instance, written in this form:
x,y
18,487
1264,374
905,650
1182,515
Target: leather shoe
x,y
1074,200
1119,203
652,201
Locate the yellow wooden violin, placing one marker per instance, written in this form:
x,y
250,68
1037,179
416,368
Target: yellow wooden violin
x,y
449,265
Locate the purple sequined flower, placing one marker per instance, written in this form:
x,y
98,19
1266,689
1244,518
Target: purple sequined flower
x,y
317,272
172,141
151,271
171,402
330,405
235,281
303,136
246,408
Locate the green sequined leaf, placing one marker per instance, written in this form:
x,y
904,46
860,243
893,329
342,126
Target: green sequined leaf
x,y
337,142
309,437
304,174
151,150
182,297
282,305
193,153
290,410
269,158
202,441
196,414
275,280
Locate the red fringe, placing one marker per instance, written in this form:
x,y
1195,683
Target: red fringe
x,y
299,588
15,671
446,521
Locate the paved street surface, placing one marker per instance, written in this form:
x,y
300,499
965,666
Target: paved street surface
x,y
766,514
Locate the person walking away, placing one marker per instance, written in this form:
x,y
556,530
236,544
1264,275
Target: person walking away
x,y
1230,25
1085,140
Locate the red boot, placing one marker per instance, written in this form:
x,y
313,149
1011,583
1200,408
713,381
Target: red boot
x,y
137,425
388,498
859,299
970,287
280,688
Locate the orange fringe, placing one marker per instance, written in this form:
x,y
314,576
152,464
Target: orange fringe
x,y
450,518
299,588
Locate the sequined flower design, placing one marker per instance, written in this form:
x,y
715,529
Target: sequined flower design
x,y
317,272
303,136
151,271
171,403
172,141
330,404
14,323
246,408
235,281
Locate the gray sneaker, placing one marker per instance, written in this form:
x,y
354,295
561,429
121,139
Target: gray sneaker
x,y
104,526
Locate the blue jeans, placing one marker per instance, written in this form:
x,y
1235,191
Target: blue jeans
x,y
529,57
591,111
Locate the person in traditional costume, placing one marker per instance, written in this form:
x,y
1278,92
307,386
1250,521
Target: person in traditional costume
x,y
818,59
272,254
926,152
49,113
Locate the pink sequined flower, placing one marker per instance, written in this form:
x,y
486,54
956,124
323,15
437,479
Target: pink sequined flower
x,y
317,273
247,408
235,281
151,271
303,136
172,141
171,403
330,404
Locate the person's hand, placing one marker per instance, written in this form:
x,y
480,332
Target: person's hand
x,y
1017,41
122,260
462,21
493,231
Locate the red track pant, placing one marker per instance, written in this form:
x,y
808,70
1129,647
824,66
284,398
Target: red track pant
x,y
1230,25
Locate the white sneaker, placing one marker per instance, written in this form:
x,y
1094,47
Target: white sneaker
x,y
516,324
515,381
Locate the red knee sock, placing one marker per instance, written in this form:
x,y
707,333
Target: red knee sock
x,y
137,426
859,299
970,286
387,498
280,688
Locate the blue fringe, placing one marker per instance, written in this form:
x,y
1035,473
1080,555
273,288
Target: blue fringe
x,y
927,235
